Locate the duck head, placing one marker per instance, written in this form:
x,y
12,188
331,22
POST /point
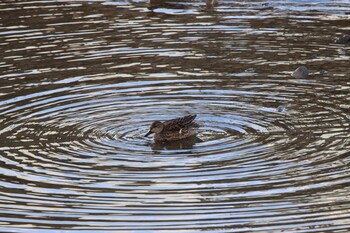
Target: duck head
x,y
156,127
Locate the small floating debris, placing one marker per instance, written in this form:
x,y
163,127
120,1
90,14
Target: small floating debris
x,y
343,39
342,51
301,72
282,108
249,70
322,72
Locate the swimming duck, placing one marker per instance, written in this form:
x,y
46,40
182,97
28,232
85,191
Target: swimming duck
x,y
174,129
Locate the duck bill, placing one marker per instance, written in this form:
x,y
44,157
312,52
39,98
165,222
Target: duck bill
x,y
149,132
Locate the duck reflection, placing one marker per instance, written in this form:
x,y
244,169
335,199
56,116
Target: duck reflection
x,y
187,143
153,4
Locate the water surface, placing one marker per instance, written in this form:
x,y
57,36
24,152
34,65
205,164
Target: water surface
x,y
81,81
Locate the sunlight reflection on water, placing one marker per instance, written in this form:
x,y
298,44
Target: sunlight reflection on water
x,y
83,80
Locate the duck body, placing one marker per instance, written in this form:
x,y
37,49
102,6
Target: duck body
x,y
175,129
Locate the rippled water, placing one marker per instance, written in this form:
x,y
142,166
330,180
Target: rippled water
x,y
81,81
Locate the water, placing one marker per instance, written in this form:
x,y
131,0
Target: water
x,y
81,82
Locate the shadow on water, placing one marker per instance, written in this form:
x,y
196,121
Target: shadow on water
x,y
154,4
81,82
184,144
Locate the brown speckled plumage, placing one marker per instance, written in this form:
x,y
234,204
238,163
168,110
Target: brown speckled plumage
x,y
174,129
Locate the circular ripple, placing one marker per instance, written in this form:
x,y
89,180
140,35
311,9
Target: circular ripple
x,y
82,89
84,146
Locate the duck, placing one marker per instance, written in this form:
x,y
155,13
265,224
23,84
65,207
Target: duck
x,y
174,129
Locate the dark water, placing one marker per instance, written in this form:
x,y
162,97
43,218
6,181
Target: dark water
x,y
81,81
